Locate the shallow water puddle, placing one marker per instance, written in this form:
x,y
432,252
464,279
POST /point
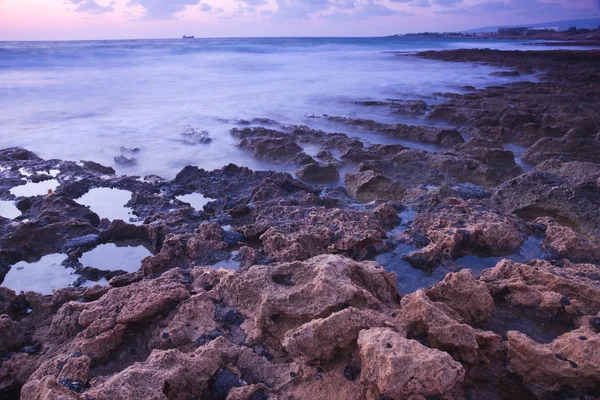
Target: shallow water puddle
x,y
406,218
125,256
410,279
531,249
541,328
518,151
196,200
41,276
230,264
9,210
31,189
109,203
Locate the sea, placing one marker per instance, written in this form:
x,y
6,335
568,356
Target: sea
x,y
93,100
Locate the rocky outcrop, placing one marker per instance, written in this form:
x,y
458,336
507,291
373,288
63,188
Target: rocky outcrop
x,y
569,361
585,150
456,227
369,186
399,368
316,173
466,295
271,295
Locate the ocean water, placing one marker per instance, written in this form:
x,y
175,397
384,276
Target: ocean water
x,y
86,100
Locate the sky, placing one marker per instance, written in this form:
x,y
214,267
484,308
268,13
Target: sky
x,y
131,19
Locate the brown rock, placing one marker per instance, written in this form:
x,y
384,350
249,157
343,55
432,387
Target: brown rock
x,y
541,284
455,226
568,360
319,338
438,325
401,368
11,335
316,173
270,295
369,186
465,295
587,150
565,242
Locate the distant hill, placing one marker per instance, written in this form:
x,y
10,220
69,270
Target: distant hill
x,y
591,23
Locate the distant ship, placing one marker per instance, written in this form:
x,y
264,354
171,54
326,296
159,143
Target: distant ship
x,y
188,37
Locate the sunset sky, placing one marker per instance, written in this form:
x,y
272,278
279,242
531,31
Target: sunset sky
x,y
121,19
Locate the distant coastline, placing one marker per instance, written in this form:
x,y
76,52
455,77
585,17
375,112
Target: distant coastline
x,y
586,37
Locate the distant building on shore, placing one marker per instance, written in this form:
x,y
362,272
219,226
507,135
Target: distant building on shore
x,y
517,30
522,30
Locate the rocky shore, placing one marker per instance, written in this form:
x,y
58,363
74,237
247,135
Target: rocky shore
x,y
284,287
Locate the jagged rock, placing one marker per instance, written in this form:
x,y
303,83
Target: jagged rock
x,y
540,194
573,360
542,285
11,335
318,173
465,295
319,338
439,326
565,242
587,150
455,227
369,186
401,368
301,291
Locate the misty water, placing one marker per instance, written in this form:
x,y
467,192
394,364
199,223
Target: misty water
x,y
86,100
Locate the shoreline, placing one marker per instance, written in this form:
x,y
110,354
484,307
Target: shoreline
x,y
305,312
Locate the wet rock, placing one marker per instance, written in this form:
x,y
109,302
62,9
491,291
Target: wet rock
x,y
506,73
223,381
465,295
190,320
178,375
431,135
204,246
18,154
320,338
124,160
490,153
398,106
322,284
456,227
439,326
400,368
193,137
585,150
99,168
11,335
318,173
564,242
549,367
282,150
297,230
369,186
130,150
540,194
542,285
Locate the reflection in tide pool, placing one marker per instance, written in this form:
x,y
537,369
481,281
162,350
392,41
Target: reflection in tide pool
x,y
409,279
231,264
42,276
531,249
9,210
31,189
196,200
109,203
112,257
